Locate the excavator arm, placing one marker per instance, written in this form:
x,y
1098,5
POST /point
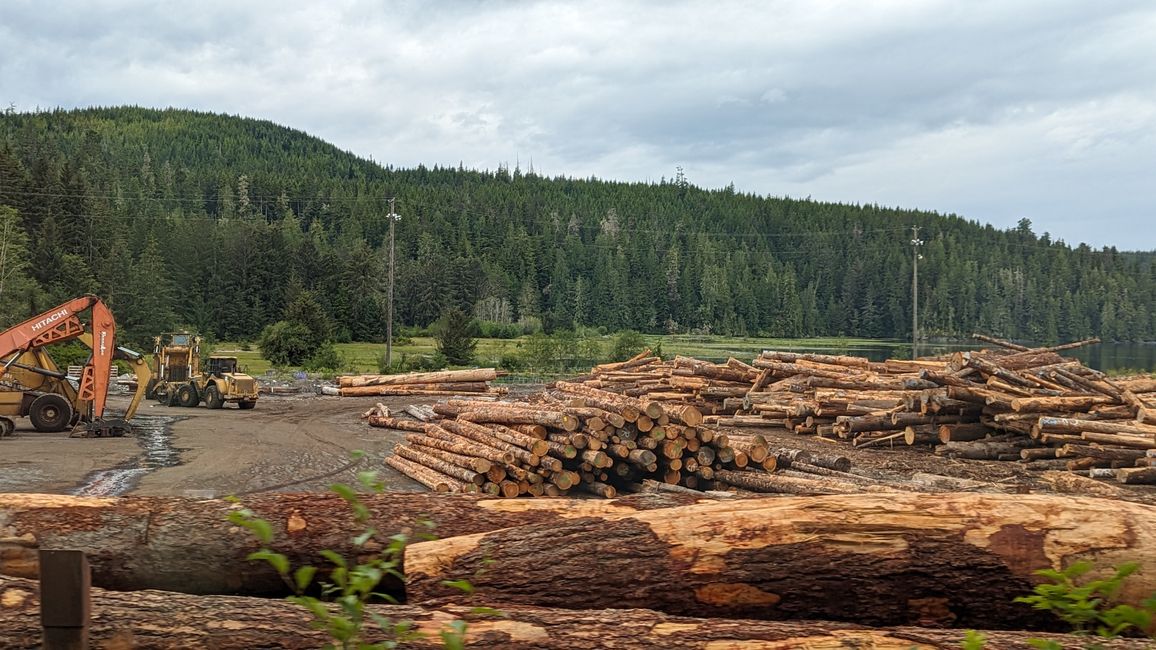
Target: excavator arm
x,y
140,367
62,323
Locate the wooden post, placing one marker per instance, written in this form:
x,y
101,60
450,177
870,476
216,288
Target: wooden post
x,y
65,583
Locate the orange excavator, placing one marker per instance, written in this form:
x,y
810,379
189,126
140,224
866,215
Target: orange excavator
x,y
31,385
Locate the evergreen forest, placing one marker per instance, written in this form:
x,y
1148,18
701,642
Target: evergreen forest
x,y
219,223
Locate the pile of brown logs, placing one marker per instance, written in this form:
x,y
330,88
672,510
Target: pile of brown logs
x,y
768,572
579,437
1013,403
443,382
1006,403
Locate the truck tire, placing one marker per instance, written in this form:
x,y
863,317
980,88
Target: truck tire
x,y
213,397
162,393
50,413
246,405
187,396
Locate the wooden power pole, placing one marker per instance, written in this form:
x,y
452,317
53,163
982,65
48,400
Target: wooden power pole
x,y
393,219
916,242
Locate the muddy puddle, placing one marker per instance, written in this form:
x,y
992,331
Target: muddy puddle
x,y
155,438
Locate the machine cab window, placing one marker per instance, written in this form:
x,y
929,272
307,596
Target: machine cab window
x,y
220,366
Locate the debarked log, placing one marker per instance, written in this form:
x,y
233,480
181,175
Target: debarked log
x,y
439,377
878,559
160,620
187,545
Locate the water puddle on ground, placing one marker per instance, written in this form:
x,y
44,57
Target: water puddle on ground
x,y
153,435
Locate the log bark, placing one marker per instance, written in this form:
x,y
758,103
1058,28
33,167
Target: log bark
x,y
363,391
427,476
1072,425
1136,475
1057,404
878,559
158,620
511,414
439,377
187,545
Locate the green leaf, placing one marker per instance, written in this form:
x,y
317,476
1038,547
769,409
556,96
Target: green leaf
x,y
262,529
345,492
333,557
465,586
278,561
361,539
303,576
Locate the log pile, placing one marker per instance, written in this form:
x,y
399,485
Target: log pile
x,y
161,619
1006,403
474,381
577,437
948,560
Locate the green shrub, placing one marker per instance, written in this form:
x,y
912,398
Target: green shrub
x,y
626,345
286,344
72,353
412,363
491,330
454,337
1090,606
325,358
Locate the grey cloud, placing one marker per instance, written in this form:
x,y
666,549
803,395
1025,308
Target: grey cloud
x,y
994,110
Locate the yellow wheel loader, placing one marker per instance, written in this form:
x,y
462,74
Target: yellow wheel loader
x,y
181,381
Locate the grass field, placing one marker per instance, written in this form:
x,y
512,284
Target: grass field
x,y
366,357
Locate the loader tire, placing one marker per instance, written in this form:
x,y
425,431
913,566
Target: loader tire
x,y
213,397
246,405
50,413
187,396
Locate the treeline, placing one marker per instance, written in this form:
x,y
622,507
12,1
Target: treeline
x,y
218,223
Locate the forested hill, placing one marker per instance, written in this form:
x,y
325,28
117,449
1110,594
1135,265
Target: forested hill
x,y
214,222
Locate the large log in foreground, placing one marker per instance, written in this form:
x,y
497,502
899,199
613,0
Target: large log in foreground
x,y
163,620
187,545
951,559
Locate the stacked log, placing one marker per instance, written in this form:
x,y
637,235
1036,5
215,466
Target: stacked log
x,y
161,620
577,437
1017,403
441,383
1009,402
954,560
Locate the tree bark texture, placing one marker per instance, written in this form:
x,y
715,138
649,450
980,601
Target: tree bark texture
x,y
158,620
877,559
187,545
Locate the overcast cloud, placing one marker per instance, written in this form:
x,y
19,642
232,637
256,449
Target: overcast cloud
x,y
993,110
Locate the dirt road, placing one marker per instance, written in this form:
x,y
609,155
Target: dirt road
x,y
306,443
287,443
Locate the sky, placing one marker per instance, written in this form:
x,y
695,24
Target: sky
x,y
992,110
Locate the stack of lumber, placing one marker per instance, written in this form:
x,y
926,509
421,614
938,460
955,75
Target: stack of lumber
x,y
444,382
584,438
656,571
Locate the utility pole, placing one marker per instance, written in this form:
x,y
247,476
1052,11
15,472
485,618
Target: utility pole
x,y
916,242
393,219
